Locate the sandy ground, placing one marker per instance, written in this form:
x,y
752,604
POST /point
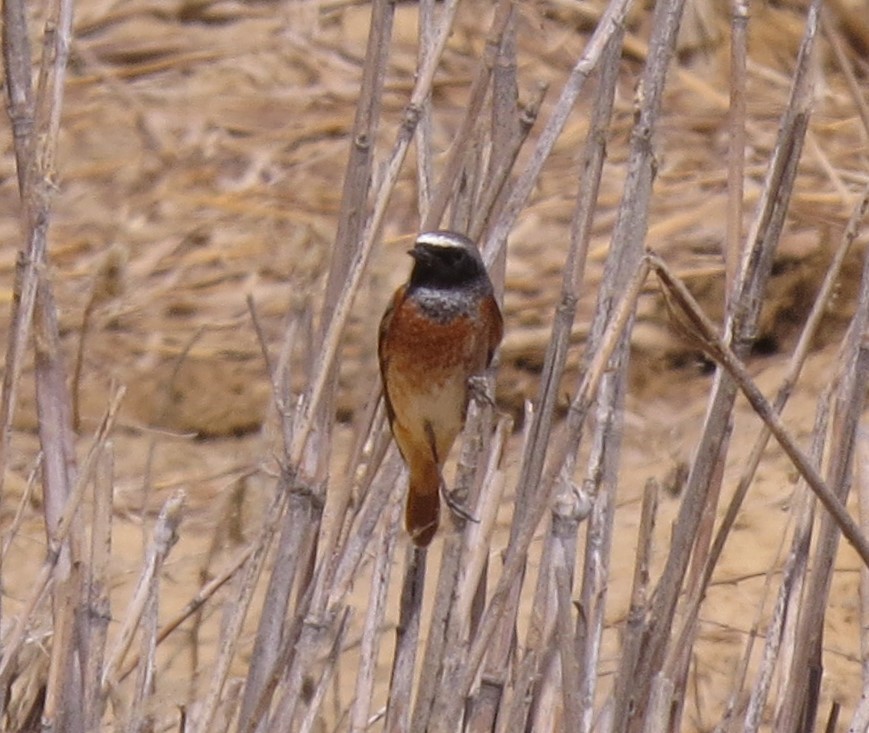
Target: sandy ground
x,y
202,154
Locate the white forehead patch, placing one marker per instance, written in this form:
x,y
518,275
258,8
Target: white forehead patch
x,y
445,240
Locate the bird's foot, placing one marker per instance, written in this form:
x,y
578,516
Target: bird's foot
x,y
478,388
456,505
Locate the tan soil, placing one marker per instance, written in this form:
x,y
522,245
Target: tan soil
x,y
202,155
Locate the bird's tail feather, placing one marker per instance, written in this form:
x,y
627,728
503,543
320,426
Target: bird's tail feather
x,y
423,503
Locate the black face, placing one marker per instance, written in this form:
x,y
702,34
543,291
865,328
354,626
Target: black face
x,y
445,265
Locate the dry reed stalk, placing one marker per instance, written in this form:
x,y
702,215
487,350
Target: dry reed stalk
x,y
517,549
398,708
860,721
35,124
446,612
723,355
568,513
314,619
458,152
424,170
293,547
319,691
740,10
206,592
360,709
635,624
162,539
349,251
247,581
508,135
15,637
799,709
470,583
834,36
98,603
792,587
26,499
742,313
782,626
331,337
611,20
625,252
810,329
140,713
299,521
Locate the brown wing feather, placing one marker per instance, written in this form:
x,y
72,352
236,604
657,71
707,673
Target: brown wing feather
x,y
383,358
496,326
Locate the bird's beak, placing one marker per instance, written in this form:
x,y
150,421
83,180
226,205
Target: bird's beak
x,y
419,254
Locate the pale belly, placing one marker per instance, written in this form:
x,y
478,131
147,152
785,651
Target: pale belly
x,y
436,413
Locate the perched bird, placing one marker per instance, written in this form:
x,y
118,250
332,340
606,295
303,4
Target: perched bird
x,y
440,330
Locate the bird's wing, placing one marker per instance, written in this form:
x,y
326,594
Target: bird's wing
x,y
382,342
496,327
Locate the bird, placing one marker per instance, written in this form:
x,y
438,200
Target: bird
x,y
439,332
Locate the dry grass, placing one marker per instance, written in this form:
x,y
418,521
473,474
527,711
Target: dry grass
x,y
236,184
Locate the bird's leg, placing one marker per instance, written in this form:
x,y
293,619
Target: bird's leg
x,y
456,505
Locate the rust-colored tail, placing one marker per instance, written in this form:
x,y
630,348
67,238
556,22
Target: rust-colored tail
x,y
423,503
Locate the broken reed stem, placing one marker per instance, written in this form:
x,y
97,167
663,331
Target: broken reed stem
x,y
470,582
792,588
503,162
324,597
193,605
293,547
163,538
508,130
358,173
35,124
140,718
569,511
